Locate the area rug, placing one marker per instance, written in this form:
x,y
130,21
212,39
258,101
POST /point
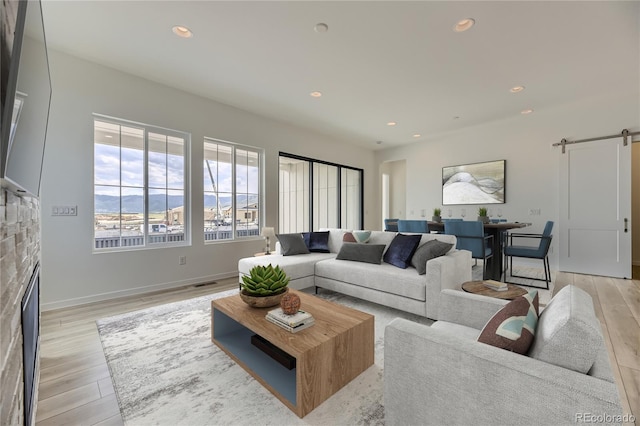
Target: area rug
x,y
166,371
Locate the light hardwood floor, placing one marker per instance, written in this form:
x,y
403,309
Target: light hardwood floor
x,y
75,386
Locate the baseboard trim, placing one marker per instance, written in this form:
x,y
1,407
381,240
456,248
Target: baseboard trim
x,y
133,291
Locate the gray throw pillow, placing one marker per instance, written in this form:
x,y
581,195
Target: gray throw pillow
x,y
292,244
369,253
427,251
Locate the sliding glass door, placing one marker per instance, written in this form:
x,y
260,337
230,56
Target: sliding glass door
x,y
295,178
315,194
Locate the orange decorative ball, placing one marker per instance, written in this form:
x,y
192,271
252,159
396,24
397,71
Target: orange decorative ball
x,y
290,303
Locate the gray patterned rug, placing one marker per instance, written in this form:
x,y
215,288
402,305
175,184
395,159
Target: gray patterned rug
x,y
166,371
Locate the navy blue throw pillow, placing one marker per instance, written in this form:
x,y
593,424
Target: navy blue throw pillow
x,y
317,241
401,250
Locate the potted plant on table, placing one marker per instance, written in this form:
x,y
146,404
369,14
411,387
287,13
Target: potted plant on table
x,y
436,215
482,215
264,286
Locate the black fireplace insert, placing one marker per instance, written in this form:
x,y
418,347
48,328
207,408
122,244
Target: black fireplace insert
x,y
30,339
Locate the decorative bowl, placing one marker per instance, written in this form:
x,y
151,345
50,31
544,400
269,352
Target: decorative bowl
x,y
263,301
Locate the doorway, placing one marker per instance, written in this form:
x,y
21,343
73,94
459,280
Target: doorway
x,y
595,208
394,189
635,210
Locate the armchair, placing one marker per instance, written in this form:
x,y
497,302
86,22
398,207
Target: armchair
x,y
540,251
470,236
442,375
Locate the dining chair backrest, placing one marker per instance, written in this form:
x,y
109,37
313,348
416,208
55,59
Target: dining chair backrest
x,y
545,241
469,235
418,226
391,224
452,220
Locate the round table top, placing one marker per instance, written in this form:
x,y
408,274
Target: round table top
x,y
478,287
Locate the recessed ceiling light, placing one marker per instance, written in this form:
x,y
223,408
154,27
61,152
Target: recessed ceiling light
x,y
516,89
464,25
321,28
416,135
526,111
391,123
108,136
315,94
181,31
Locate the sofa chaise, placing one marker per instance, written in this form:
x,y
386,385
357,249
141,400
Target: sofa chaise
x,y
383,283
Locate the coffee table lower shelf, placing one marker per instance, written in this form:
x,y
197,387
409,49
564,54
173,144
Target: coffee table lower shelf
x,y
235,339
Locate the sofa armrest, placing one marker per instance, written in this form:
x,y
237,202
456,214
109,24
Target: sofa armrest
x,y
471,310
448,271
435,377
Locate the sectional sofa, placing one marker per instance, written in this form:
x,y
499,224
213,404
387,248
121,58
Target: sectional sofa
x,y
383,283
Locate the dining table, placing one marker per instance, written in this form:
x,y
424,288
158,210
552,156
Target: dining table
x,y
498,230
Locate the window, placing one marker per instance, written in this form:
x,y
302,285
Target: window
x,y
315,194
232,181
140,185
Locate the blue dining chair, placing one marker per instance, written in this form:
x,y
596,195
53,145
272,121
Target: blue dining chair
x,y
417,226
470,236
391,225
540,251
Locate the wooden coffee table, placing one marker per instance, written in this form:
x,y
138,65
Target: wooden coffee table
x,y
478,287
328,355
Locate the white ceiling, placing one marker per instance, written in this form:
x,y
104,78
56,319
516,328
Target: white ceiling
x,y
380,61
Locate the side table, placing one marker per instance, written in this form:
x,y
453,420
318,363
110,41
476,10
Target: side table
x,y
478,287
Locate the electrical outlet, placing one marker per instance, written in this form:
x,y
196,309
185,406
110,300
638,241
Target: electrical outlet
x,y
182,260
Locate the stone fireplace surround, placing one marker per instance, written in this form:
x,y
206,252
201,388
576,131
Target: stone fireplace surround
x,y
19,254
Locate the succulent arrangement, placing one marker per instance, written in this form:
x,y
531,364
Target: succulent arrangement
x,y
482,211
437,211
265,281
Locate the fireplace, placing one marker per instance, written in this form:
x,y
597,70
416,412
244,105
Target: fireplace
x,y
30,342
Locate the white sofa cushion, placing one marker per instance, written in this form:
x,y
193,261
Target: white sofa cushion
x,y
381,237
335,238
295,267
383,277
568,332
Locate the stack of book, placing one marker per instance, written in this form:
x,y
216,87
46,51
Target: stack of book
x,y
293,323
496,285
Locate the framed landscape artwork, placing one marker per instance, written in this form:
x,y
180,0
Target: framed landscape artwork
x,y
478,183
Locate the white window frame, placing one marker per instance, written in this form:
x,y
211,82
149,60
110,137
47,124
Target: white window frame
x,y
234,208
186,188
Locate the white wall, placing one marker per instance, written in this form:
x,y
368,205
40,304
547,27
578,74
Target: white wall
x,y
71,273
525,143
